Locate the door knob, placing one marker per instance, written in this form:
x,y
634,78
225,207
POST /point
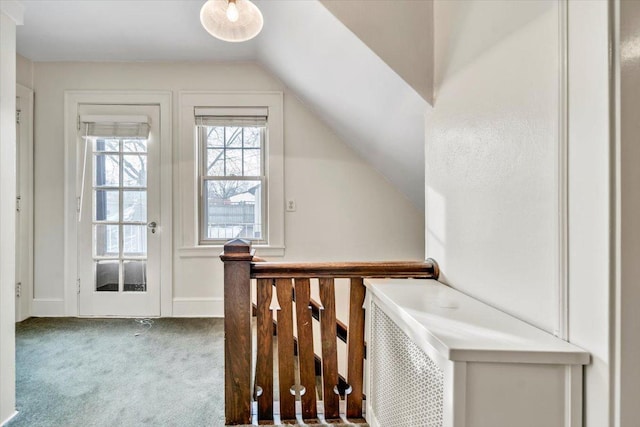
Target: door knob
x,y
152,225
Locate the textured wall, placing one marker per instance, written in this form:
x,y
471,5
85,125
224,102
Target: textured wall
x,y
492,154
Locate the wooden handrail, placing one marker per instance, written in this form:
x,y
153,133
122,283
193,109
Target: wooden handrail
x,y
292,278
390,269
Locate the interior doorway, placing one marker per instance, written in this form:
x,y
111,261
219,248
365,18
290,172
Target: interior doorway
x,y
24,202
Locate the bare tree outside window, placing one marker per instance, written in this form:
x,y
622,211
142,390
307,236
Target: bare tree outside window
x,y
232,182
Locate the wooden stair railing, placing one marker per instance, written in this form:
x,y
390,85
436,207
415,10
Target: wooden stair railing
x,y
239,269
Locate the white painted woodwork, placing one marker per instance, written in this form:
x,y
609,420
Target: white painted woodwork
x,y
24,206
62,298
92,302
589,192
498,370
10,16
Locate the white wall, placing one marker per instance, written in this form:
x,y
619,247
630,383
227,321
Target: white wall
x,y
24,71
491,154
10,13
345,209
400,32
495,162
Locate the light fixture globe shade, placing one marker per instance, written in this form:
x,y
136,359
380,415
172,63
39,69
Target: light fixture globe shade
x,y
213,17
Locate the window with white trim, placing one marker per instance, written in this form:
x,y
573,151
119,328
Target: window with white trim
x,y
232,174
219,147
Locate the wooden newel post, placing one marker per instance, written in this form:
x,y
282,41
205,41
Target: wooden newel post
x,y
237,258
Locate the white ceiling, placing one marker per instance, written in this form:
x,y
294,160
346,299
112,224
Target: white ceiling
x,y
367,104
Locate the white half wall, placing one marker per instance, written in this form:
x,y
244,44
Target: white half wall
x,y
346,210
492,154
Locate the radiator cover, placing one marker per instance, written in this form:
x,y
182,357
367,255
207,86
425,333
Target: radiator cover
x,y
407,386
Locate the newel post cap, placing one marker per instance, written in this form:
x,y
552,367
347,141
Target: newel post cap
x,y
237,250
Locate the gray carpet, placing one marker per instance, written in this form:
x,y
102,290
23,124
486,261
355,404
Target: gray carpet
x,y
98,372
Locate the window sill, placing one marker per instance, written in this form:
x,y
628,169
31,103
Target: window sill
x,y
214,251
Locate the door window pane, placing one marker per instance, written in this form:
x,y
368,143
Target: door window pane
x,y
134,206
134,145
107,275
107,240
107,170
134,170
112,145
135,276
134,240
107,204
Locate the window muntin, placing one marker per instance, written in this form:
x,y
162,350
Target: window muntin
x,y
232,179
119,213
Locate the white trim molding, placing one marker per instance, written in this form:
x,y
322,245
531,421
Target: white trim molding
x,y
215,251
12,416
13,9
72,99
563,173
186,154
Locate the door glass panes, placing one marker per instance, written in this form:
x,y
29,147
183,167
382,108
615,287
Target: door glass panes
x,y
134,205
120,214
135,276
134,170
107,276
135,240
106,203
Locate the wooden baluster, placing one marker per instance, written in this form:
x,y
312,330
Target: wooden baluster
x,y
264,361
329,350
286,374
237,258
355,345
305,351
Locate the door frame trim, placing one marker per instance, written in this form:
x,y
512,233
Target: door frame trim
x,y
72,98
25,175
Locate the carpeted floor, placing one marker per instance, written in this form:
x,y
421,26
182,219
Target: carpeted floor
x,y
119,372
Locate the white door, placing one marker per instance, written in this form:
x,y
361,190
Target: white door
x,y
24,202
119,210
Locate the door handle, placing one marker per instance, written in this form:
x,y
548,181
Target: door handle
x,y
152,225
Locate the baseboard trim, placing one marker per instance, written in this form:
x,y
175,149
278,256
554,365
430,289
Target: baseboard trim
x,y
12,416
48,307
198,307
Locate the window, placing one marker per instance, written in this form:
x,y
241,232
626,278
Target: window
x,y
232,173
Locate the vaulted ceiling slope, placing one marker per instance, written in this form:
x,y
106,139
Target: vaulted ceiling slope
x,y
366,103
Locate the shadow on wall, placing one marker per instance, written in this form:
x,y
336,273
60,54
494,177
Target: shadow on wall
x,y
457,15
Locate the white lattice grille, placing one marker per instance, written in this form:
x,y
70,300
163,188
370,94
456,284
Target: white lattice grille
x,y
406,385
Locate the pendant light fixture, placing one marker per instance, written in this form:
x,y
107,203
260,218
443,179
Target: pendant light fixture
x,y
231,20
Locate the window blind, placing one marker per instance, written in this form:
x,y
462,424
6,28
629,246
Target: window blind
x,y
231,116
132,127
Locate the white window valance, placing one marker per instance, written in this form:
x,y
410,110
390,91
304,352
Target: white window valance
x,y
231,116
133,127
